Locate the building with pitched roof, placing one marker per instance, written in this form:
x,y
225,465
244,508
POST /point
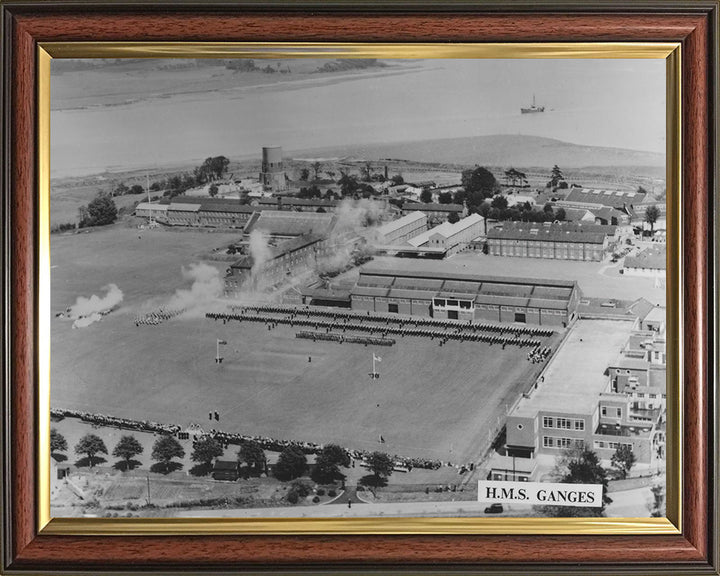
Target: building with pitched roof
x,y
403,229
279,224
650,262
557,240
452,238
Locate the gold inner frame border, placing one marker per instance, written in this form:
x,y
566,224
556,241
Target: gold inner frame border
x,y
671,524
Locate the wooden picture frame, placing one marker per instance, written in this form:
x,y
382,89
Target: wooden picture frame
x,y
29,548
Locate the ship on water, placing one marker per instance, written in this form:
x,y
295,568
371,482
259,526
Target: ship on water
x,y
532,109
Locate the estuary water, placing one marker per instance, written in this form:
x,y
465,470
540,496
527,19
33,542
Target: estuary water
x,y
613,103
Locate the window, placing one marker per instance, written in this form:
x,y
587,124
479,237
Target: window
x,y
548,442
641,395
603,411
563,423
579,424
547,422
653,395
619,412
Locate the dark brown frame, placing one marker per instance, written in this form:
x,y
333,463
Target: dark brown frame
x,y
692,23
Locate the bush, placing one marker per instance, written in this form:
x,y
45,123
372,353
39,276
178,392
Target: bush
x,y
332,493
320,492
316,499
302,487
293,497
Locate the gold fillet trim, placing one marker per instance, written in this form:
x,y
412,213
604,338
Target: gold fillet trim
x,y
157,526
352,50
43,271
288,526
674,305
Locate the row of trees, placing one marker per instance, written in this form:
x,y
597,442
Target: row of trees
x,y
165,449
292,462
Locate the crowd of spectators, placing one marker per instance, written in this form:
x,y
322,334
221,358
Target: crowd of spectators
x,y
115,422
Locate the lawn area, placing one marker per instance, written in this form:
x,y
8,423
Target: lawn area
x,y
430,401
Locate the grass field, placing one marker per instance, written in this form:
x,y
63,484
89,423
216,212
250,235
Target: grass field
x,y
431,401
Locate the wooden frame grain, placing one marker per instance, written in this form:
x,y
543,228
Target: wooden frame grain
x,y
27,23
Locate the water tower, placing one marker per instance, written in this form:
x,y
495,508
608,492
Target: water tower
x,y
272,175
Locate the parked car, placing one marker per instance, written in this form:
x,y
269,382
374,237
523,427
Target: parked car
x,y
494,509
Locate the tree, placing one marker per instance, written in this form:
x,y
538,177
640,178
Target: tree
x,y
556,176
211,169
548,208
579,465
453,217
164,450
398,179
479,183
127,448
623,459
90,445
652,213
348,185
560,215
291,463
499,202
205,450
99,212
426,196
381,465
304,174
136,189
120,190
445,198
327,464
253,455
213,190
641,190
57,441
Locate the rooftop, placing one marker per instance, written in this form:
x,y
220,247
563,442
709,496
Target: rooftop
x,y
614,198
553,232
390,227
433,207
575,376
446,229
654,258
277,223
449,271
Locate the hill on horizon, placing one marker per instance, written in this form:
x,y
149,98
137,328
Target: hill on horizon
x,y
496,150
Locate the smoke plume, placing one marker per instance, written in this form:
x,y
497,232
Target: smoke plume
x,y
206,288
85,311
260,251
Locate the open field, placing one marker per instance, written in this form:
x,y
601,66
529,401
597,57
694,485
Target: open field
x,y
438,402
430,401
144,264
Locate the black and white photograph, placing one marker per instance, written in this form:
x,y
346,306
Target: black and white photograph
x,y
320,287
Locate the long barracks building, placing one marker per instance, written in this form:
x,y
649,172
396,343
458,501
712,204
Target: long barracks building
x,y
472,297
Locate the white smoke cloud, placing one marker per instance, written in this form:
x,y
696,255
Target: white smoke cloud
x,y
85,311
206,288
354,215
260,251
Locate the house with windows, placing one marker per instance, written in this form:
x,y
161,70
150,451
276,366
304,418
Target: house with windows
x,y
588,396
